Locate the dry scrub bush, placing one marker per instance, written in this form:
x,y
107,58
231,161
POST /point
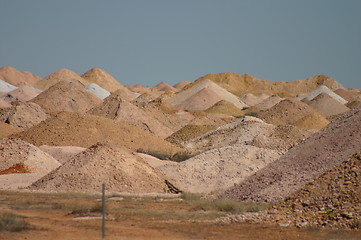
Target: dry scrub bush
x,y
12,223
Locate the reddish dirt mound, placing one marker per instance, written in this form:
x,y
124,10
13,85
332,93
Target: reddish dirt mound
x,y
327,106
252,100
203,95
84,130
348,94
103,79
165,87
165,113
268,102
181,85
114,107
16,78
332,200
4,104
287,111
243,84
23,115
118,168
70,96
17,168
22,93
58,76
7,130
300,165
31,159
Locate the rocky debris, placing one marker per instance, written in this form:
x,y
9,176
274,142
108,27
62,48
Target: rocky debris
x,y
68,96
114,107
7,130
17,78
103,79
218,169
85,130
23,115
246,83
331,200
203,95
248,131
327,106
303,163
97,90
59,76
25,157
323,89
116,167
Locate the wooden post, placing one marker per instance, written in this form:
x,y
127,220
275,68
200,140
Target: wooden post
x,y
103,210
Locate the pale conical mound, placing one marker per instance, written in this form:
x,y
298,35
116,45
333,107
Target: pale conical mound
x,y
7,130
97,90
268,102
203,95
324,89
248,131
317,154
17,78
6,87
243,84
23,115
15,152
62,153
22,93
251,99
287,111
84,130
218,169
225,107
327,105
103,79
118,168
333,199
165,87
58,76
115,108
70,96
181,85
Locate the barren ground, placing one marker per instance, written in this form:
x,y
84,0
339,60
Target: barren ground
x,y
66,216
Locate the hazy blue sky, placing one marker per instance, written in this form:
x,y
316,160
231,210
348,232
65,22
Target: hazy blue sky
x,y
149,41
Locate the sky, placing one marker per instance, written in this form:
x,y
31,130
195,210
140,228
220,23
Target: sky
x,y
150,41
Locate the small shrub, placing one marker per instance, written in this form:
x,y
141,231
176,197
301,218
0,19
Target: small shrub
x,y
162,156
181,156
251,114
13,223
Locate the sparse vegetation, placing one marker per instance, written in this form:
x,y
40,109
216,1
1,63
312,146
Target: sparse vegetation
x,y
13,223
227,205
